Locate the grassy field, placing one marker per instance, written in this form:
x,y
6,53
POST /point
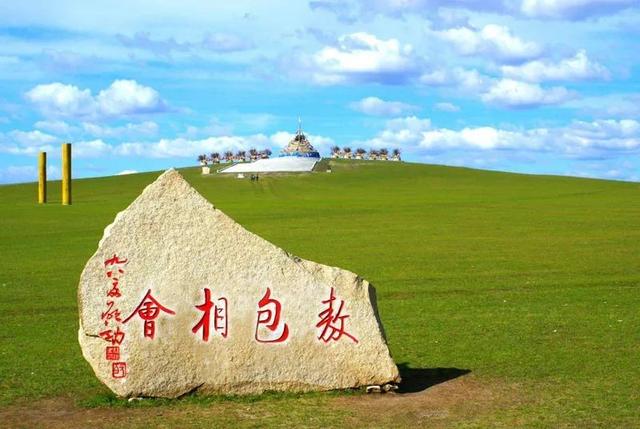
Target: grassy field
x,y
527,288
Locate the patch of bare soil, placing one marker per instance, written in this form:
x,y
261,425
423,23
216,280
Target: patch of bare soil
x,y
59,413
463,399
449,403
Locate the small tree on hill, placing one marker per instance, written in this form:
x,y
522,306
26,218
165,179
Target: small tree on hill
x,y
202,159
215,157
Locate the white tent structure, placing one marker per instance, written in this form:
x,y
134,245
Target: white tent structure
x,y
274,165
298,156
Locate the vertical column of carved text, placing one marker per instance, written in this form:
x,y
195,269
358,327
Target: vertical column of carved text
x,y
112,317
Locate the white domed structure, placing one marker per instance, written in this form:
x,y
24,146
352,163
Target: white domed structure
x,y
300,146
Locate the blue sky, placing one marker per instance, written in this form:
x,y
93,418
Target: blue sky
x,y
535,86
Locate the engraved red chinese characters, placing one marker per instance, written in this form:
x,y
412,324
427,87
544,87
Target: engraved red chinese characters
x,y
220,323
111,313
332,322
119,370
268,326
114,292
148,310
113,266
114,336
113,269
112,353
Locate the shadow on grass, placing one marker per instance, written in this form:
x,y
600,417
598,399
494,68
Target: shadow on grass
x,y
108,399
413,380
419,379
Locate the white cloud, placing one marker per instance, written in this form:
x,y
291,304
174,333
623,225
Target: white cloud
x,y
34,138
350,12
399,132
463,79
607,134
91,129
121,98
57,99
31,142
412,123
344,11
57,127
187,148
483,138
515,94
618,105
578,67
493,40
135,130
126,172
573,9
364,57
91,149
18,174
19,142
215,127
378,107
26,173
508,93
577,140
190,148
128,97
446,107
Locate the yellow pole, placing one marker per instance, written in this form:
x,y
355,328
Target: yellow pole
x,y
66,174
42,178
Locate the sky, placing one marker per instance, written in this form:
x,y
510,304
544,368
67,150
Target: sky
x,y
531,86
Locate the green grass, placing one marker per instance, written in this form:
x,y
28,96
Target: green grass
x,y
531,281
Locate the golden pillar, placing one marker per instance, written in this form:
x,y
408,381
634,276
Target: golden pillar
x,y
42,178
66,174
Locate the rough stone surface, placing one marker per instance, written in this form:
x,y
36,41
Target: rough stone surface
x,y
177,244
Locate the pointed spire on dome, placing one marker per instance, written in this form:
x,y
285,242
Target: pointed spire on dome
x,y
299,145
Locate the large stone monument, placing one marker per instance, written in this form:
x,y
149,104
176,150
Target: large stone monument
x,y
179,297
